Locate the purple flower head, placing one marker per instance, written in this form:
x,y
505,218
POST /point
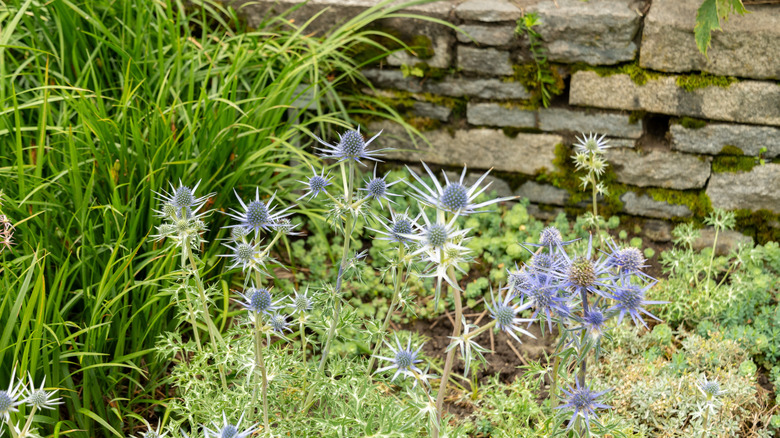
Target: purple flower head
x,y
543,295
351,146
316,184
583,402
377,187
404,360
258,215
505,314
630,299
629,261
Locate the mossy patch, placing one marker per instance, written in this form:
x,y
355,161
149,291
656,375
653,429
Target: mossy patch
x,y
758,224
691,123
423,123
696,200
733,159
635,117
388,39
528,75
638,75
694,82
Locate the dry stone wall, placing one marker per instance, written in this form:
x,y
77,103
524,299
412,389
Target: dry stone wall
x,y
689,132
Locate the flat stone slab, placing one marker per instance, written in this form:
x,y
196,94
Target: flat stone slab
x,y
755,102
754,190
712,138
643,205
728,241
487,61
441,58
748,46
430,110
450,86
526,153
487,11
659,168
487,35
493,114
543,193
613,125
597,32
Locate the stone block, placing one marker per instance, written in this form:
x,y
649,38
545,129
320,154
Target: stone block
x,y
621,143
748,46
754,190
597,32
477,148
427,109
487,11
542,193
728,241
544,213
492,62
643,205
613,125
441,54
711,139
754,102
657,230
449,86
659,168
493,114
487,35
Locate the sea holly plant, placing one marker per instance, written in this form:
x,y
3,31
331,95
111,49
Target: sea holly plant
x,y
589,156
20,394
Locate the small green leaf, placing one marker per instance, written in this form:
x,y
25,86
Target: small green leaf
x,y
706,21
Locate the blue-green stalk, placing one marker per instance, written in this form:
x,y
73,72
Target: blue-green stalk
x,y
348,178
398,273
260,363
450,355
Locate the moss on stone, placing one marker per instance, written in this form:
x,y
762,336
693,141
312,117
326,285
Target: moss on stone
x,y
421,46
638,75
731,150
758,224
635,117
694,82
733,163
423,124
691,123
528,75
696,200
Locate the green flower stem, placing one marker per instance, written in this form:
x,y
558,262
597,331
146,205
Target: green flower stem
x,y
450,355
349,227
260,363
434,422
478,331
705,422
303,350
194,326
397,275
712,258
214,334
27,424
556,369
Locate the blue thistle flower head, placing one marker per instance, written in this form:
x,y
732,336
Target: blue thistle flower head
x,y
436,235
258,215
504,312
316,184
181,202
228,430
259,300
594,321
543,296
630,299
9,398
583,402
351,147
404,360
518,280
455,196
278,323
551,236
398,228
302,303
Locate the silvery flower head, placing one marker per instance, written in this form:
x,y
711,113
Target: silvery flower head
x,y
404,360
278,323
316,184
442,247
351,146
259,300
154,433
454,196
10,398
41,398
302,303
377,187
398,228
518,281
228,430
591,144
258,215
504,312
710,389
583,402
181,202
247,255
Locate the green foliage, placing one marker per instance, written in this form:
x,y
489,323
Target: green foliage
x,y
708,18
539,77
692,123
690,83
104,104
638,75
654,382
